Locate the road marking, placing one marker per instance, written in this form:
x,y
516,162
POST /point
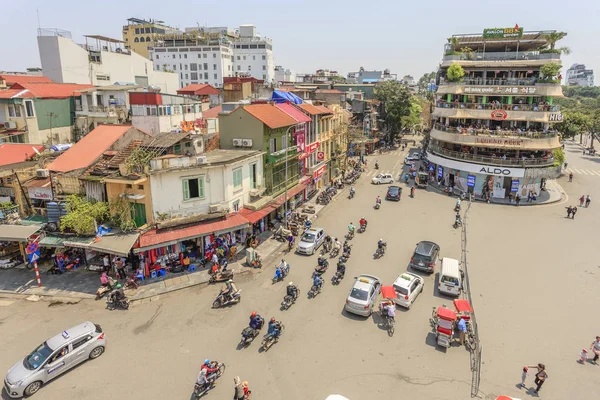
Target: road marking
x,y
575,170
396,165
4,303
596,172
583,172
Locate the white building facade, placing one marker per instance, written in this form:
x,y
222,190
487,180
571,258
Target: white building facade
x,y
577,75
100,62
218,181
254,55
284,75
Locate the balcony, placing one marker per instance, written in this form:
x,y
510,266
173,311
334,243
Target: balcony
x,y
485,131
510,112
503,56
506,107
523,161
501,87
101,111
280,156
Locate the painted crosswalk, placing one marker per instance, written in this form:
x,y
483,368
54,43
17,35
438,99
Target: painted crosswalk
x,y
581,171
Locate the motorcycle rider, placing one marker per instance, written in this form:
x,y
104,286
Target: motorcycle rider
x,y
280,270
363,223
274,328
202,379
352,191
351,229
229,290
376,164
457,220
291,240
327,243
412,191
317,281
378,200
457,206
341,267
389,308
307,224
381,245
255,320
347,248
292,290
117,295
104,280
211,373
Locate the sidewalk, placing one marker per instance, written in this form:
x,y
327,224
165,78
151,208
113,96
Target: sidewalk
x,y
82,284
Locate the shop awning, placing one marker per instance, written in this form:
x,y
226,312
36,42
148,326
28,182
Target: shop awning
x,y
17,233
119,244
255,216
68,241
290,193
153,239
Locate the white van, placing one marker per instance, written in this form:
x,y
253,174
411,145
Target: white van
x,y
450,279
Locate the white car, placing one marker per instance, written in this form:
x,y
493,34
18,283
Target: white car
x,y
411,158
382,178
407,286
363,294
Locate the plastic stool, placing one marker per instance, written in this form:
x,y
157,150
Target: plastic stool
x,y
153,274
160,272
192,268
139,276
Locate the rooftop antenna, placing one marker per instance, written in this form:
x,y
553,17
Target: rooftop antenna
x,y
38,18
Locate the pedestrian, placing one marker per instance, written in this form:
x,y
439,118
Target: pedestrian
x,y
581,200
518,199
462,330
569,211
583,356
573,212
106,263
529,196
239,389
120,268
524,376
566,164
595,347
588,200
540,377
247,391
571,177
215,258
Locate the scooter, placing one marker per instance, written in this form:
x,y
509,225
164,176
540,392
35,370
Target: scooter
x,y
457,223
323,264
377,205
270,340
222,300
288,300
249,333
221,276
282,273
103,290
350,235
380,252
111,303
334,252
314,291
362,228
200,390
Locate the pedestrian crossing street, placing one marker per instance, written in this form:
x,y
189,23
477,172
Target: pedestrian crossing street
x,y
578,171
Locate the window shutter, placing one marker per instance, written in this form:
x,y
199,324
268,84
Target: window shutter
x,y
186,190
201,187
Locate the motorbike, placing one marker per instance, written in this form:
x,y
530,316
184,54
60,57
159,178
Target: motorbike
x,y
334,252
283,273
288,300
380,251
337,277
376,166
270,340
103,290
457,223
95,268
200,390
221,276
351,195
122,303
314,291
362,228
350,235
223,300
377,205
389,321
249,333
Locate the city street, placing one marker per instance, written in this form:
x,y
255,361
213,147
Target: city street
x,y
533,273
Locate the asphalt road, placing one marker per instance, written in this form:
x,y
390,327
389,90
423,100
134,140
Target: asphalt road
x,y
533,275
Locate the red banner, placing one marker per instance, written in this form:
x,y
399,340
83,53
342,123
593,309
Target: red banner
x,y
320,171
311,148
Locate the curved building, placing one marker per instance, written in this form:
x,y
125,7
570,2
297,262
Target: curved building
x,y
493,128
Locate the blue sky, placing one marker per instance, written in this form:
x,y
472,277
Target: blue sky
x,y
406,37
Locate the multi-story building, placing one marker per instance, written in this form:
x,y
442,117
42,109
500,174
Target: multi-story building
x,y
284,75
577,75
253,54
139,35
364,76
492,133
101,61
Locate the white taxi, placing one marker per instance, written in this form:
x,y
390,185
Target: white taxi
x,y
407,287
382,178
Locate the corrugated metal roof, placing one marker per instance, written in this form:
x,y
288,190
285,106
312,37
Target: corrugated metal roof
x,y
198,89
328,91
12,153
212,112
292,111
12,79
270,115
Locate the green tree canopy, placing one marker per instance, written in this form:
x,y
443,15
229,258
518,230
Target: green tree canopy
x,y
455,73
396,98
423,83
83,215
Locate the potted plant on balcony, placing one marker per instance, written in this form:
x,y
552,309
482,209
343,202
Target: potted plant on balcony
x,y
550,73
451,50
548,52
455,73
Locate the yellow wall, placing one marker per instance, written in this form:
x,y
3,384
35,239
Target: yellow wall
x,y
141,48
115,188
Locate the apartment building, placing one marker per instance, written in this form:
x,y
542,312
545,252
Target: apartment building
x,y
139,35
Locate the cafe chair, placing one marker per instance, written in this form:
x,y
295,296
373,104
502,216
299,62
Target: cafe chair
x,y
192,268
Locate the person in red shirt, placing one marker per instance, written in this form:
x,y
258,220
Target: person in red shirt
x,y
210,372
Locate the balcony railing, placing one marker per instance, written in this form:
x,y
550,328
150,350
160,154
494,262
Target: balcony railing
x,y
500,81
507,107
100,109
503,56
500,161
518,133
277,157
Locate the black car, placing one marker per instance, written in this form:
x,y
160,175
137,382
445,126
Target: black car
x,y
425,256
394,193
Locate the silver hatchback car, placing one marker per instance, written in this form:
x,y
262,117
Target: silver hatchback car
x,y
54,357
310,241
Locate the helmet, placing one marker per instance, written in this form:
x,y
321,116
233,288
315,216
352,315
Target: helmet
x,y
282,260
230,281
253,314
119,286
380,239
207,361
272,319
291,284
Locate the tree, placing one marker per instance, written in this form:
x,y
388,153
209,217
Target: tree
x,y
554,37
413,120
397,101
424,81
454,42
83,215
550,72
455,73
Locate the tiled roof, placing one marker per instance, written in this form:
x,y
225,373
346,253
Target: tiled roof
x,y
198,89
9,93
89,149
49,90
212,112
329,91
270,115
12,79
292,111
312,110
12,153
324,109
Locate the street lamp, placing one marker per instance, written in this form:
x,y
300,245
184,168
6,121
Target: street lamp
x,y
287,141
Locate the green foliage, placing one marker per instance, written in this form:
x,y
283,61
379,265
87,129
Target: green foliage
x,y
454,42
452,53
397,100
83,215
413,120
550,73
120,214
559,157
546,51
554,37
455,73
582,91
6,205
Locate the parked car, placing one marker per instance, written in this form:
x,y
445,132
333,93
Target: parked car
x,y
310,241
363,295
425,256
407,286
411,158
382,178
54,357
394,193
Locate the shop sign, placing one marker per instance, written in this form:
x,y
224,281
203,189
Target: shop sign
x,y
40,193
300,142
500,142
503,33
495,171
311,148
499,115
299,129
320,155
555,117
471,181
514,185
440,172
320,171
476,168
499,90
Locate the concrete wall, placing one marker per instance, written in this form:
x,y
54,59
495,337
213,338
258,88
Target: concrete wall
x,y
63,60
154,124
115,188
241,125
218,188
62,111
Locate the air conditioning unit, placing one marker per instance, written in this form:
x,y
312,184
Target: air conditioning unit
x,y
42,173
238,142
10,125
247,143
199,146
213,208
254,192
200,160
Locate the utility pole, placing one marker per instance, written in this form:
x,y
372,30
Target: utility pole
x,y
50,116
